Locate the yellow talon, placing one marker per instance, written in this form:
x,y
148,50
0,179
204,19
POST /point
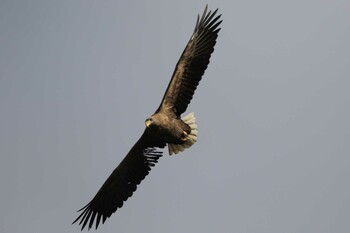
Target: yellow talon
x,y
184,136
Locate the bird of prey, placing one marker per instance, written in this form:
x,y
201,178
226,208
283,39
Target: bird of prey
x,y
164,128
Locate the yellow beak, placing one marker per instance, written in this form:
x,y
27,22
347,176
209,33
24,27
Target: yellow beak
x,y
148,122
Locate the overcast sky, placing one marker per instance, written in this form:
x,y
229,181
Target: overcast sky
x,y
79,77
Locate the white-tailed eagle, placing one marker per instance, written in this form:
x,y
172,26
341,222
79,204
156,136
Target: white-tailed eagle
x,y
164,128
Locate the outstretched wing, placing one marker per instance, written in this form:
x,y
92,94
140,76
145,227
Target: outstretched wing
x,y
123,181
192,64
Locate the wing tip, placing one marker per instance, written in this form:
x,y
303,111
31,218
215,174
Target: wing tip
x,y
87,216
206,18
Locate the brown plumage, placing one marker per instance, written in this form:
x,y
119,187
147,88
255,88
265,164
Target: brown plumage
x,y
164,127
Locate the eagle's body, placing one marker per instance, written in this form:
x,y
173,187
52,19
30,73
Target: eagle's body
x,y
168,128
164,127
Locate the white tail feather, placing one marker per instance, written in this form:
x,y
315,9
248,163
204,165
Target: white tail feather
x,y
192,137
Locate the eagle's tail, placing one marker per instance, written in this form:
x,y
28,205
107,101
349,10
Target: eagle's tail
x,y
192,137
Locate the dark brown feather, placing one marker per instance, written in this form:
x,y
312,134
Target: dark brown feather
x,y
192,64
123,181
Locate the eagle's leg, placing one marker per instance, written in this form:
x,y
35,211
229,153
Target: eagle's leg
x,y
188,138
184,136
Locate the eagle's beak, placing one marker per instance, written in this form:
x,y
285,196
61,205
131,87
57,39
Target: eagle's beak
x,y
148,122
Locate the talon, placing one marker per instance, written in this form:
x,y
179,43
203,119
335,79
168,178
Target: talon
x,y
184,136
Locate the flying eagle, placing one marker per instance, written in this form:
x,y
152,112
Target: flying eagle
x,y
164,127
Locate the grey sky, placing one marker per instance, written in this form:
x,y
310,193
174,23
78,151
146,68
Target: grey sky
x,y
78,79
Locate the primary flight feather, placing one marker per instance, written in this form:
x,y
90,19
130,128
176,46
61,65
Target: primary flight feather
x,y
164,128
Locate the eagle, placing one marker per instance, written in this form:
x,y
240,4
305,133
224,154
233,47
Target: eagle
x,y
165,127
